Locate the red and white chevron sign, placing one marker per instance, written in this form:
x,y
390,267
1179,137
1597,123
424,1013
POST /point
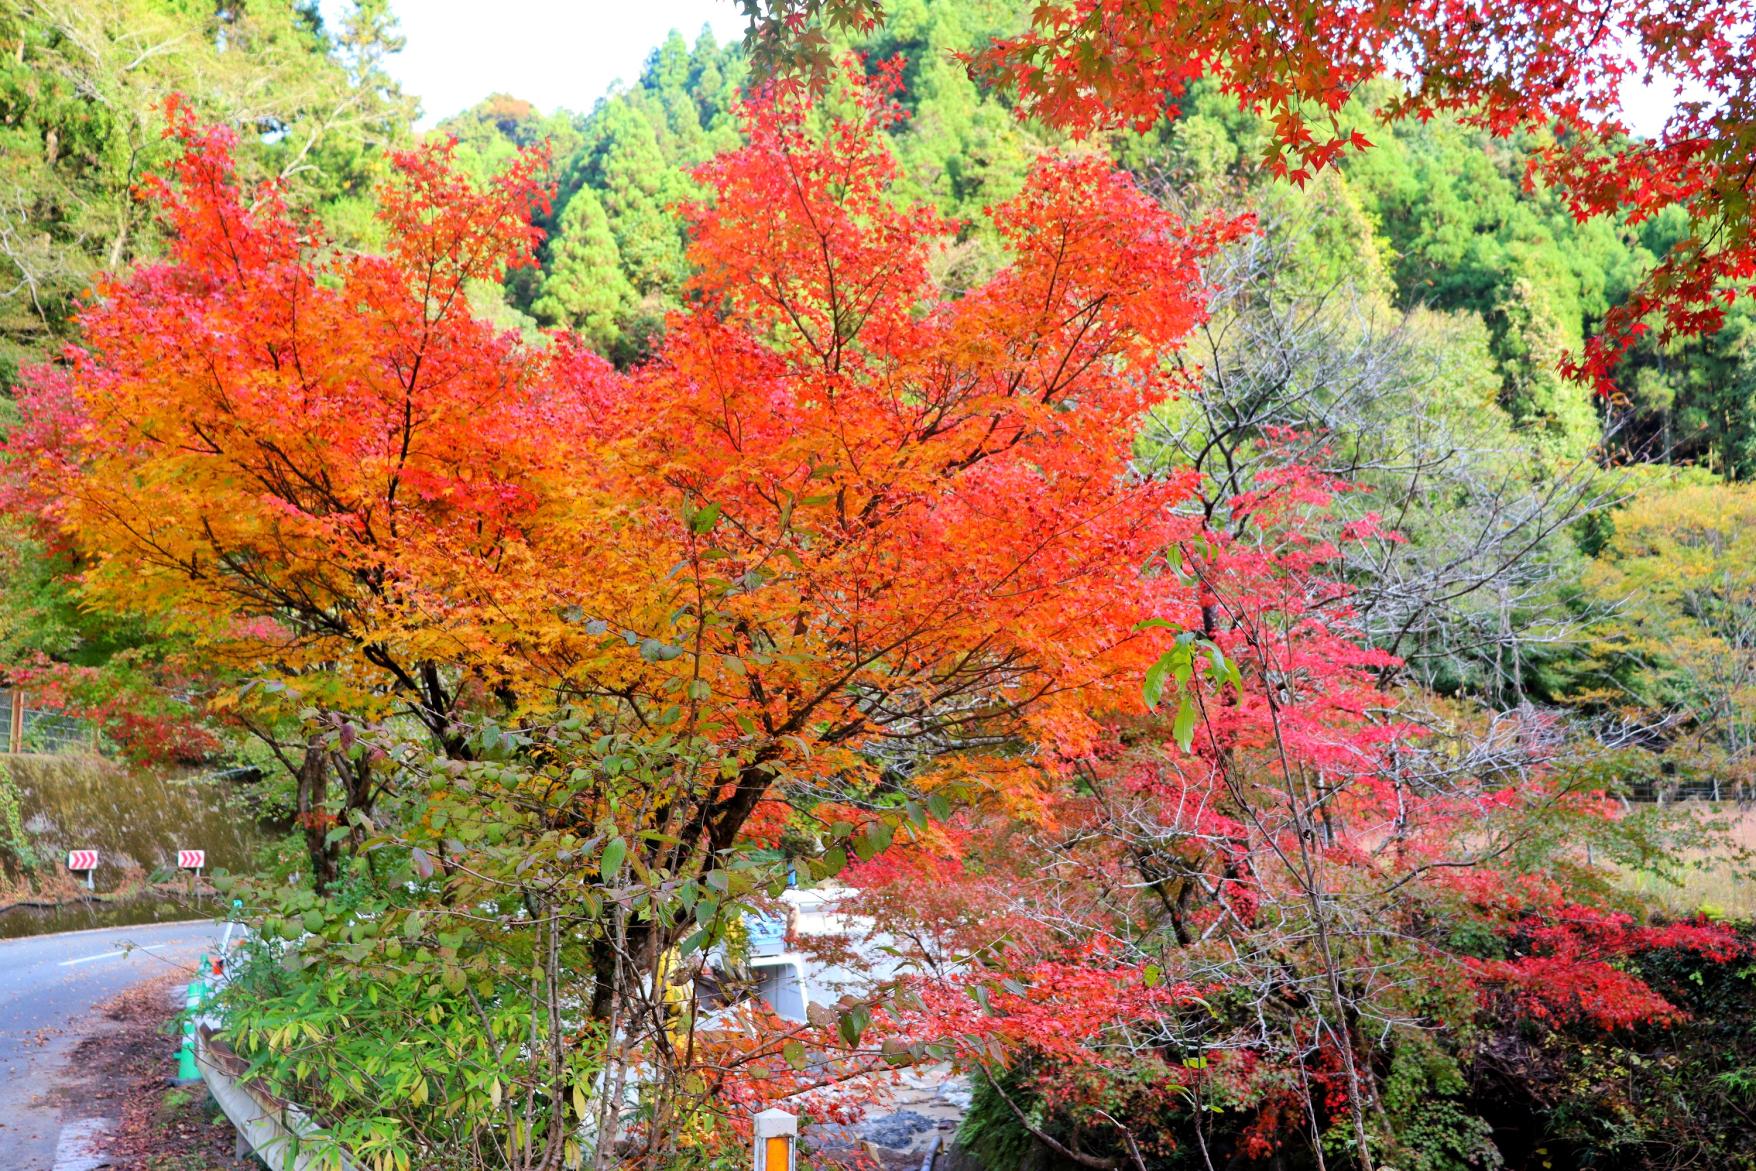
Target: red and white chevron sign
x,y
82,859
191,859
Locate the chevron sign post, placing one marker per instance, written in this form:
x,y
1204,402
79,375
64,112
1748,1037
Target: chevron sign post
x,y
191,859
86,860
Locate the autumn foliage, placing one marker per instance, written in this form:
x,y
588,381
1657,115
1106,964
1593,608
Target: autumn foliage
x,y
838,510
1559,71
830,489
1550,67
1235,927
844,543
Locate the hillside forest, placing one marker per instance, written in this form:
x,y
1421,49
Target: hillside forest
x,y
1277,712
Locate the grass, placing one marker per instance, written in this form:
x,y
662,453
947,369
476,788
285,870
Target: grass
x,y
1716,882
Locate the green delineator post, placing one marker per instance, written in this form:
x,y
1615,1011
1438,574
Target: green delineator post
x,y
186,1069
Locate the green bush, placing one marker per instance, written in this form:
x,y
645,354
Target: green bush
x,y
15,847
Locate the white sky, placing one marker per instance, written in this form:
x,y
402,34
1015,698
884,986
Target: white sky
x,y
1647,106
567,53
551,52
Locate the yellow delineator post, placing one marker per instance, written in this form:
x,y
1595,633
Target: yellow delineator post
x,y
777,1136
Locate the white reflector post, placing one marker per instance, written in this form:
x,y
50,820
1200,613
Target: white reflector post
x,y
777,1134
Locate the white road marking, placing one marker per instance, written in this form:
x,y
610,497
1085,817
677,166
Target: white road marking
x,y
77,1148
109,955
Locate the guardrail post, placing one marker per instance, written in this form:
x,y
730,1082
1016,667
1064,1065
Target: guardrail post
x,y
225,948
777,1140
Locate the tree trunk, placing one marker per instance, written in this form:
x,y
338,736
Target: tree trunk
x,y
313,802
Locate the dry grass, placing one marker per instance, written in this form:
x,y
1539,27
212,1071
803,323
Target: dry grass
x,y
1717,882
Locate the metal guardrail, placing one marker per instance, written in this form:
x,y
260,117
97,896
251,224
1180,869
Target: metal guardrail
x,y
274,1130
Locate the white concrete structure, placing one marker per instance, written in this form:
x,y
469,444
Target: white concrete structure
x,y
782,984
789,982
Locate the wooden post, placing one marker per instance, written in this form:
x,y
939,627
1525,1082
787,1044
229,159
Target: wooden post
x,y
15,734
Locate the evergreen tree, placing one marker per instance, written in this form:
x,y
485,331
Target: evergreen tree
x,y
638,186
584,288
83,86
1533,340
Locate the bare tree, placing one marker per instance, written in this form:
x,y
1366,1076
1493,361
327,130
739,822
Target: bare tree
x,y
1470,598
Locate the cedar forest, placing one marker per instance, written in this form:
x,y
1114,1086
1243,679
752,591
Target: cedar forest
x,y
1221,528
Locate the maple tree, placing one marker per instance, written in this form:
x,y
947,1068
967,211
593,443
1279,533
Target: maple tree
x,y
839,530
1555,68
1300,915
362,498
241,455
1262,921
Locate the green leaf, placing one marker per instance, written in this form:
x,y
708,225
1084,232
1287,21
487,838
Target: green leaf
x,y
1183,726
874,840
612,859
794,1053
704,518
1153,686
1182,666
939,807
852,1025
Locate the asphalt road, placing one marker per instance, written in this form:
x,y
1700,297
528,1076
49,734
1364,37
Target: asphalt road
x,y
49,985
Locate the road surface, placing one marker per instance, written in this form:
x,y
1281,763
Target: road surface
x,y
49,985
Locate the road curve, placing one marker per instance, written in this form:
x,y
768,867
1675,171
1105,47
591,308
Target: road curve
x,y
48,986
